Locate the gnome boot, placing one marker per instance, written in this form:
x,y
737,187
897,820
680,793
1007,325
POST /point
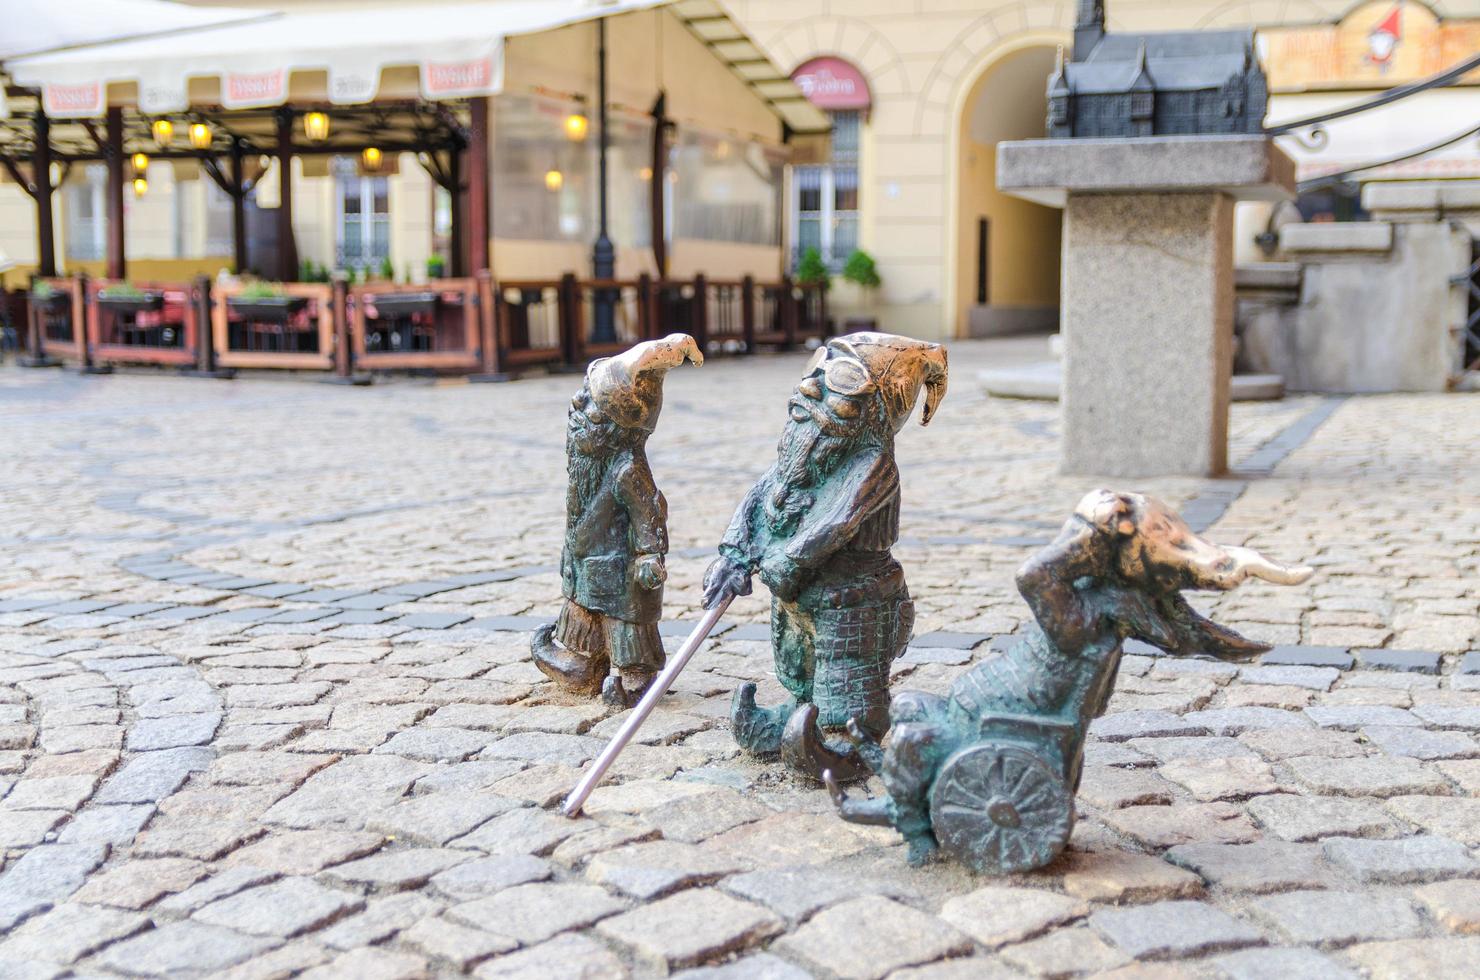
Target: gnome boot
x,y
758,730
579,673
805,749
625,688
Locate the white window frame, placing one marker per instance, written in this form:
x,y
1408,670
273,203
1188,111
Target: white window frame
x,y
828,213
368,218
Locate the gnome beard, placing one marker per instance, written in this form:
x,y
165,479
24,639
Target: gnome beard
x,y
812,445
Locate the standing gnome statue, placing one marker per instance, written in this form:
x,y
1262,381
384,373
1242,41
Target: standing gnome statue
x,y
616,529
818,528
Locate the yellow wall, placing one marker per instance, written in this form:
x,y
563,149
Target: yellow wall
x,y
1007,103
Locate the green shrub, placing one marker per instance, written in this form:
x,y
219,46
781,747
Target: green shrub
x,y
860,269
125,290
42,290
261,290
436,266
812,271
386,270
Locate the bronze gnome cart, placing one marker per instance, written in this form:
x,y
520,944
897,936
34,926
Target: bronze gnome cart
x,y
988,773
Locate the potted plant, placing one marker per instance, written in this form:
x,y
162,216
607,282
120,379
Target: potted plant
x,y
386,271
861,271
811,270
45,296
436,267
265,302
125,297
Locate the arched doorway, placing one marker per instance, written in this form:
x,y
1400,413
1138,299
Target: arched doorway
x,y
1007,250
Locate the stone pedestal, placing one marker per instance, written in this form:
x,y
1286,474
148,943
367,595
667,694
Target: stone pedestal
x,y
1147,301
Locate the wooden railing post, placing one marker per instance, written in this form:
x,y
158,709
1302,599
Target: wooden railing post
x,y
86,329
339,310
205,339
646,328
572,321
747,313
790,304
488,333
36,355
700,314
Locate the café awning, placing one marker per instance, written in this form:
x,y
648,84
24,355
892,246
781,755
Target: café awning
x,y
456,50
36,26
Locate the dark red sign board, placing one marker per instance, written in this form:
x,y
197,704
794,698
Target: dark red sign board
x,y
832,83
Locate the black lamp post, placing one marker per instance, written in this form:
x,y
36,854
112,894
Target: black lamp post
x,y
603,253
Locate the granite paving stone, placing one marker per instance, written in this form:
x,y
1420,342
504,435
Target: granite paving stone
x,y
284,908
1330,919
1263,866
179,947
1406,860
1305,818
1121,877
994,916
534,912
1278,964
897,936
688,928
1452,957
1173,929
382,918
565,955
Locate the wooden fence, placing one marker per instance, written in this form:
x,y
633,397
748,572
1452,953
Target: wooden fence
x,y
472,326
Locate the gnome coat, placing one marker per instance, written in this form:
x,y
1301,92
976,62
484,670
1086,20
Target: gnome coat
x,y
606,532
855,510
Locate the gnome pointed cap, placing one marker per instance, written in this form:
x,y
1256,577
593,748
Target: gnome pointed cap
x,y
629,386
900,367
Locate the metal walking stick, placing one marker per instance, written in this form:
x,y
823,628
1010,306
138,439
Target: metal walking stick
x,y
659,687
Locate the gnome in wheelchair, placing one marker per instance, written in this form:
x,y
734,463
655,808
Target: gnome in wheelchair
x,y
988,773
818,528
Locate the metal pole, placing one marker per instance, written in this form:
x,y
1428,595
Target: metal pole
x,y
117,262
604,253
287,265
238,208
655,691
46,264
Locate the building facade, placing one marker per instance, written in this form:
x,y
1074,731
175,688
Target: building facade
x,y
920,93
949,79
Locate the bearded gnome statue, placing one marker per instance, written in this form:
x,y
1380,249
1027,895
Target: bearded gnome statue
x,y
818,528
616,533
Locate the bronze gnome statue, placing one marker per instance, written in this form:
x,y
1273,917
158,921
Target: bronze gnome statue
x,y
818,528
616,532
988,773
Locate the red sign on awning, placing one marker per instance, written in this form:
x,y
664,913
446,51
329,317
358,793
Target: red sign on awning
x,y
832,83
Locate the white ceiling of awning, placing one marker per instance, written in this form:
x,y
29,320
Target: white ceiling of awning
x,y
35,26
458,51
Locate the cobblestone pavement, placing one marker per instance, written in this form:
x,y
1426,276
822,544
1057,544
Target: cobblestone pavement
x,y
266,706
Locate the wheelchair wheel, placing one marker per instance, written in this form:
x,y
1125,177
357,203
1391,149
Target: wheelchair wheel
x,y
1001,809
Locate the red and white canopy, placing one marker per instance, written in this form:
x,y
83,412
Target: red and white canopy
x,y
35,26
456,50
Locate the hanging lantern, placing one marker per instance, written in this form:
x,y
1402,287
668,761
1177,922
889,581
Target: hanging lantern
x,y
576,126
316,126
200,136
141,187
554,180
140,163
372,159
164,132
645,173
